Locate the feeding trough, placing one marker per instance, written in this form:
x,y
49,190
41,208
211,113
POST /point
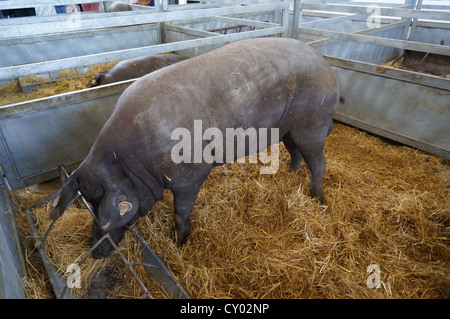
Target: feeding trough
x,y
150,261
39,135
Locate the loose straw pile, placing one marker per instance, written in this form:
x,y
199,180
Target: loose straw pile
x,y
262,236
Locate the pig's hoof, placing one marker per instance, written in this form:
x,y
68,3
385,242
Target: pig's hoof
x,y
295,165
181,239
322,200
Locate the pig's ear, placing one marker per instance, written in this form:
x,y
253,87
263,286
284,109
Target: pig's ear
x,y
67,194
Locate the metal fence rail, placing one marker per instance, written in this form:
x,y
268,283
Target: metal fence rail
x,y
87,25
357,38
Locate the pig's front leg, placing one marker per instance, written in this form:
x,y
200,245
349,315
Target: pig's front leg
x,y
183,204
184,200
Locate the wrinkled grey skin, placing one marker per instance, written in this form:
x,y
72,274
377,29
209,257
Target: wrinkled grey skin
x,y
135,68
260,83
119,6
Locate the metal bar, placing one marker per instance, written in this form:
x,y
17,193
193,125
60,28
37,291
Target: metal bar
x,y
297,16
317,23
158,6
11,211
322,42
391,72
323,14
237,28
285,18
343,17
101,23
25,50
17,4
409,4
239,2
192,6
160,274
22,70
57,283
20,109
384,11
241,18
160,25
394,43
436,6
63,171
400,5
7,163
11,273
48,232
130,268
430,24
190,31
81,16
412,31
251,23
12,261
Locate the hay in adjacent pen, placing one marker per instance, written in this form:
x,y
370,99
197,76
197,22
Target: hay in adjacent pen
x,y
400,65
11,92
262,236
32,79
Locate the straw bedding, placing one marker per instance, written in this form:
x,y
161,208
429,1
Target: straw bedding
x,y
262,236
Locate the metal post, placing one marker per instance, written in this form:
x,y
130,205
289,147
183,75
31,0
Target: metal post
x,y
159,8
285,18
412,32
164,5
296,20
409,4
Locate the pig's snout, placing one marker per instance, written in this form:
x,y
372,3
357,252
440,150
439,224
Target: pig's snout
x,y
105,248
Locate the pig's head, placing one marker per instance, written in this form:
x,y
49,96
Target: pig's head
x,y
97,80
113,200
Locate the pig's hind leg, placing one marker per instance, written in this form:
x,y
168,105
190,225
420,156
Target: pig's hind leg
x,y
296,157
310,146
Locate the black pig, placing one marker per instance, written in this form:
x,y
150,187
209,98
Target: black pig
x,y
134,68
256,83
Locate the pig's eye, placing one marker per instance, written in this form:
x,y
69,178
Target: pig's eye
x,y
92,194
